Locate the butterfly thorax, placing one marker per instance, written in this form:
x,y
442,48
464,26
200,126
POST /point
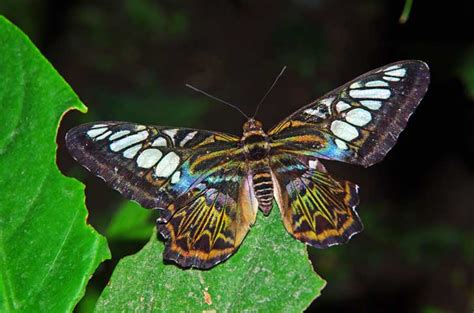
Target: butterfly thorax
x,y
257,148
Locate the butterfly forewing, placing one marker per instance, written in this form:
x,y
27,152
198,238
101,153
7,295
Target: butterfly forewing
x,y
358,122
151,165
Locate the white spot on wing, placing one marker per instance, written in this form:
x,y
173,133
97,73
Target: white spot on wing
x,y
399,73
167,165
140,127
187,138
376,83
104,135
344,130
119,134
315,112
128,141
159,142
99,125
319,110
131,152
313,163
391,79
341,144
175,177
393,67
171,133
372,104
355,85
342,106
149,158
328,101
373,93
358,117
96,132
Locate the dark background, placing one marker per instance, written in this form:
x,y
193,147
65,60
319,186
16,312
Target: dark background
x,y
130,61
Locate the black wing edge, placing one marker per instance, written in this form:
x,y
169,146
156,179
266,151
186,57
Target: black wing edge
x,y
99,163
409,94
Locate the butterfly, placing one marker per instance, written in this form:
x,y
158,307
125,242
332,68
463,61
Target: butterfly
x,y
208,186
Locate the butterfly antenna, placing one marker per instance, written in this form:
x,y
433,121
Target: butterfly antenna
x,y
218,99
268,91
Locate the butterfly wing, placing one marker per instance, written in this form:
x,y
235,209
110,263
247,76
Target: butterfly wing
x,y
184,173
316,209
209,225
148,164
358,122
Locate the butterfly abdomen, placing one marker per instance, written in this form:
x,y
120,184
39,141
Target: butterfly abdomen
x,y
263,188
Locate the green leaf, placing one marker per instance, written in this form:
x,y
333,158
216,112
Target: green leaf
x,y
269,273
131,222
47,251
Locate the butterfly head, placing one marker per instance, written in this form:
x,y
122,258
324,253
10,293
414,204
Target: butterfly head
x,y
252,125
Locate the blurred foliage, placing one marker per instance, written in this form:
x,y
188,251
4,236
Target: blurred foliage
x,y
130,222
149,107
466,71
28,19
145,20
406,12
150,18
432,309
300,45
88,302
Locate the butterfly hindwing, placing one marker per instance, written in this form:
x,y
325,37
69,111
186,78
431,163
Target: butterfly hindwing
x,y
210,223
316,209
358,122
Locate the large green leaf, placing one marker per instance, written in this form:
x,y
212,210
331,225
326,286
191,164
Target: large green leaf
x,y
47,251
269,273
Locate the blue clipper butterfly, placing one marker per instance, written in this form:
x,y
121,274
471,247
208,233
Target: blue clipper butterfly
x,y
208,185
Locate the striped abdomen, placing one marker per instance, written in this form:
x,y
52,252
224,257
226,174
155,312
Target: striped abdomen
x,y
263,188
